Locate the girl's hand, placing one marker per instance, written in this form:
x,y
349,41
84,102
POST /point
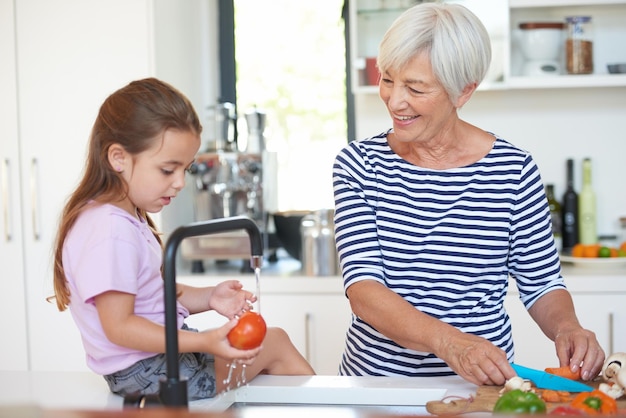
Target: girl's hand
x,y
229,298
218,345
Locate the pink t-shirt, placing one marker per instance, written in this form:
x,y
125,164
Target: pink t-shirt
x,y
108,249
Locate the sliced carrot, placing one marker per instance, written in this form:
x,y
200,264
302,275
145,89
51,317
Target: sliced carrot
x,y
564,371
549,395
565,396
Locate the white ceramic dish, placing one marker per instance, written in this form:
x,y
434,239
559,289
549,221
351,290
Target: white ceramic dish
x,y
613,262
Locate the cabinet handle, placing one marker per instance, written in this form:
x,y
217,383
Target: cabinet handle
x,y
307,336
33,195
5,200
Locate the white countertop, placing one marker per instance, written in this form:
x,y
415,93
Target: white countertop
x,y
85,390
286,277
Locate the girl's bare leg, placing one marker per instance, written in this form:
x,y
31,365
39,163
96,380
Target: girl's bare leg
x,y
278,357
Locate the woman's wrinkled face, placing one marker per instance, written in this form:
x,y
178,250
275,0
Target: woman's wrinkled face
x,y
158,174
419,106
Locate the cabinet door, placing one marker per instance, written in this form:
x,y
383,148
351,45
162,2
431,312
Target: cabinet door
x,y
316,324
13,356
71,55
604,314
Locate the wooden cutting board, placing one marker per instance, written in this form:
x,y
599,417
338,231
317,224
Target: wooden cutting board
x,y
485,399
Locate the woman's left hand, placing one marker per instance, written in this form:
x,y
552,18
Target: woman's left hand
x,y
578,348
230,299
575,346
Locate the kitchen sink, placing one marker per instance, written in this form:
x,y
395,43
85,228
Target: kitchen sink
x,y
397,395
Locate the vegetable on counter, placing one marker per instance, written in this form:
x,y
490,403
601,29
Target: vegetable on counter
x,y
566,410
519,402
595,402
556,396
614,373
564,371
516,382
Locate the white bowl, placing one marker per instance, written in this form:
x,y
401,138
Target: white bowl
x,y
541,40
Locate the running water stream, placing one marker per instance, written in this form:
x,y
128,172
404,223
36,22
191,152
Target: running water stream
x,y
233,365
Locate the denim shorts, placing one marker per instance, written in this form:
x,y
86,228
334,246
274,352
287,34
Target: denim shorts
x,y
144,376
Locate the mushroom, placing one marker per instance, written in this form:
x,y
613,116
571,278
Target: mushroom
x,y
516,383
614,372
614,390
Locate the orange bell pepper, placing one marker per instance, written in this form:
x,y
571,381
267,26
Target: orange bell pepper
x,y
595,403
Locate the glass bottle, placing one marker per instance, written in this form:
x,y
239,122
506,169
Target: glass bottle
x,y
587,206
569,209
555,217
579,45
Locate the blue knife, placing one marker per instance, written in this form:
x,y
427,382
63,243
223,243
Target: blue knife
x,y
544,380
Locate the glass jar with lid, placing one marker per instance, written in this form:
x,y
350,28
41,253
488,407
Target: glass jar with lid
x,y
579,45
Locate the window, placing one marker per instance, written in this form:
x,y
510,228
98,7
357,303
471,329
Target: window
x,y
291,63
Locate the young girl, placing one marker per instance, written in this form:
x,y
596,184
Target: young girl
x,y
108,254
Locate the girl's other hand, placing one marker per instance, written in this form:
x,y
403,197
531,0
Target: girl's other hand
x,y
229,299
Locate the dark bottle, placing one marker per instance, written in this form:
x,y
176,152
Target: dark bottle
x,y
569,207
556,216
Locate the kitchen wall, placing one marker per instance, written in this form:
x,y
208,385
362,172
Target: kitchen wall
x,y
201,84
553,124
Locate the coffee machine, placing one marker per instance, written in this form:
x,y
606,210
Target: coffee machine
x,y
230,180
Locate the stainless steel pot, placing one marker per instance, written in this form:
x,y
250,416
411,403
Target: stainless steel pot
x,y
319,254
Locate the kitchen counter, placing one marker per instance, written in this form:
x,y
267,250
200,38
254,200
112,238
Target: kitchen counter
x,y
24,393
285,276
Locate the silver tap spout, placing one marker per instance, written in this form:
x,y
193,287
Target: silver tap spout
x,y
173,391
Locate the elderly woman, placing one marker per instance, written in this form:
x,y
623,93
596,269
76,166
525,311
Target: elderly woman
x,y
434,215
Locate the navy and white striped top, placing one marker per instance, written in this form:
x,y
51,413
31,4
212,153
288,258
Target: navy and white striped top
x,y
446,240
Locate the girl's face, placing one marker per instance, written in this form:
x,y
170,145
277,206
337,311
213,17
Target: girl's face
x,y
419,106
155,176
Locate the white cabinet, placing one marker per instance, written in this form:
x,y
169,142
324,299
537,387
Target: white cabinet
x,y
313,311
369,19
60,60
12,302
71,56
599,302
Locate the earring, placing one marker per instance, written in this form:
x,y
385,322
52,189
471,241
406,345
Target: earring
x,y
118,169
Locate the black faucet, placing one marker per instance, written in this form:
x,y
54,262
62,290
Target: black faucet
x,y
173,389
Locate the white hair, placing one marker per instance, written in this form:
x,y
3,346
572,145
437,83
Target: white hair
x,y
454,39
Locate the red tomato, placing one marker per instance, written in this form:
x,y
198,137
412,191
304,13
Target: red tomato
x,y
566,410
249,331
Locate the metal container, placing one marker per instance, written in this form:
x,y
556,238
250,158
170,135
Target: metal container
x,y
319,254
222,128
255,142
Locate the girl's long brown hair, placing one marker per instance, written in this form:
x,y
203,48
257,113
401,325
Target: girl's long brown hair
x,y
133,116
